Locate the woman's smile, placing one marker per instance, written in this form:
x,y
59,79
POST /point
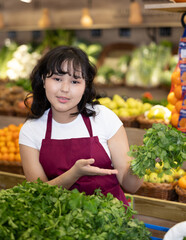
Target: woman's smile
x,y
63,99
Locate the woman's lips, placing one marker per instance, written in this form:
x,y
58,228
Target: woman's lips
x,y
63,99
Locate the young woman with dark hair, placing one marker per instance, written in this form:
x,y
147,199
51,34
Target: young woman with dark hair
x,y
69,139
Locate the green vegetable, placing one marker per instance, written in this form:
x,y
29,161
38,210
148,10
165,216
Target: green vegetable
x,y
39,211
163,143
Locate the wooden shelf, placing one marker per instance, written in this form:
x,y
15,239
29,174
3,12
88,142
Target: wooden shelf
x,y
171,7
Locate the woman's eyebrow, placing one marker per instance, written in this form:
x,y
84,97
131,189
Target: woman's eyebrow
x,y
62,72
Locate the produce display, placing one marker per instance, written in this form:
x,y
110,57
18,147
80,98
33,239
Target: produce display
x,y
160,176
151,65
12,100
181,189
161,143
41,211
9,144
130,107
113,72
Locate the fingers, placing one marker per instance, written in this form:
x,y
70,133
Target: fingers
x,y
88,161
85,168
102,171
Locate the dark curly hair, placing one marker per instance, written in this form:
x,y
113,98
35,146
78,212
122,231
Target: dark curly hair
x,y
51,63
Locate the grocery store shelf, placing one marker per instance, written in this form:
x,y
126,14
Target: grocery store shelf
x,y
171,7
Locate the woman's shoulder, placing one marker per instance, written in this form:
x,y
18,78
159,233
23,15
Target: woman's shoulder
x,y
36,123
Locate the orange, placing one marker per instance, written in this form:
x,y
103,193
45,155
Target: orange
x,y
182,182
175,77
11,157
2,144
15,135
5,156
17,157
2,133
11,149
10,144
4,149
171,98
178,92
8,137
3,139
182,123
178,105
12,127
174,111
174,119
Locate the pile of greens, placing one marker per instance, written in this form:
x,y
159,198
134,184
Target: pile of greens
x,y
40,211
161,143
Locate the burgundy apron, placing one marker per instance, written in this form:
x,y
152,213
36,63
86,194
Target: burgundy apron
x,y
58,156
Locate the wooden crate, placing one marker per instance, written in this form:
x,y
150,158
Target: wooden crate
x,y
9,180
158,212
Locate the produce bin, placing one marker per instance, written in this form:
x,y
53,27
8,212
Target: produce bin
x,y
162,214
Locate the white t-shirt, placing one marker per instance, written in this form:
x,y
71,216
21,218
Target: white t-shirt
x,y
104,125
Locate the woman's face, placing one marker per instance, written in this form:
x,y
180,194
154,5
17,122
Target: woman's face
x,y
64,91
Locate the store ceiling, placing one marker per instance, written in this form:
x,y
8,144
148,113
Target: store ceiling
x,y
67,13
70,4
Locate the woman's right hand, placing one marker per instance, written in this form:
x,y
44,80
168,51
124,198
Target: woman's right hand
x,y
83,167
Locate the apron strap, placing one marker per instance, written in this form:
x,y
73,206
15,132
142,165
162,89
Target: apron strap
x,y
49,125
88,124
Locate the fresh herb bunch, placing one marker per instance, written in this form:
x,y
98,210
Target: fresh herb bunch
x,y
39,211
161,143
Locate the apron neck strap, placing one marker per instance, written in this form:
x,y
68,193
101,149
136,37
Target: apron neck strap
x,y
88,124
49,125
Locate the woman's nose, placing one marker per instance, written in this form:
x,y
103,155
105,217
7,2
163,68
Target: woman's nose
x,y
65,86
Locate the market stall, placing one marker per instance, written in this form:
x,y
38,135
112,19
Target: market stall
x,y
132,83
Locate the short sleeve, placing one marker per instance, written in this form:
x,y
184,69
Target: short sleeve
x,y
108,120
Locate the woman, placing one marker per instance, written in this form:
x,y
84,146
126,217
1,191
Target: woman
x,y
69,139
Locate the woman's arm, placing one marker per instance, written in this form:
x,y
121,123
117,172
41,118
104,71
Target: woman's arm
x,y
34,170
119,147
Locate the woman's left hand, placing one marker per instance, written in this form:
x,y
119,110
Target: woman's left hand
x,y
83,167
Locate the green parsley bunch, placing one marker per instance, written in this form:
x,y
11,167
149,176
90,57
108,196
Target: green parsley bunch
x,y
39,211
161,143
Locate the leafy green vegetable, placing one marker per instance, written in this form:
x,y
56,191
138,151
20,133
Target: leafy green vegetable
x,y
24,83
162,102
163,143
40,211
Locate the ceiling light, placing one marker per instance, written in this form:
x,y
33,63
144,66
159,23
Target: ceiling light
x,y
44,21
135,15
86,20
26,1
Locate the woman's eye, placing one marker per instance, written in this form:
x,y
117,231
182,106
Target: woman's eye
x,y
57,79
75,82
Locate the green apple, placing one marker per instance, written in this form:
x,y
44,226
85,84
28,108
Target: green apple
x,y
119,101
134,111
123,112
146,178
146,107
178,173
112,105
153,177
167,178
158,167
104,101
131,103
